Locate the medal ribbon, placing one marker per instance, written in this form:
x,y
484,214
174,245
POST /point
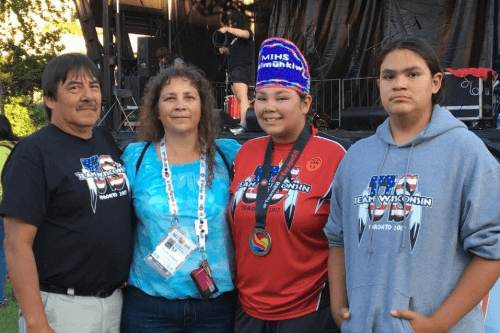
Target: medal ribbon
x,y
265,191
201,225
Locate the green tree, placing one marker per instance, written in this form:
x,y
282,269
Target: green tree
x,y
28,42
19,117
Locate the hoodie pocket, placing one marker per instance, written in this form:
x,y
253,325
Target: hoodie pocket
x,y
370,310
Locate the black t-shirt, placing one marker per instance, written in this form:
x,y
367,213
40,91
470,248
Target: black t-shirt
x,y
241,52
77,193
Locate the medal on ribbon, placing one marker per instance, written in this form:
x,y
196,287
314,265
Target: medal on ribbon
x,y
260,242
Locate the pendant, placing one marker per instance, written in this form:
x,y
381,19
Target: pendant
x,y
260,242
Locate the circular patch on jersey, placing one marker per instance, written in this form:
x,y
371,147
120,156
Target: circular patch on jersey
x,y
314,163
260,242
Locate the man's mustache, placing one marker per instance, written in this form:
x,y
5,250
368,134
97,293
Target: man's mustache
x,y
87,106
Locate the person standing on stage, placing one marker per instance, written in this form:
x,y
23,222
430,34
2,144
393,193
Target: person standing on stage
x,y
415,218
240,67
67,210
280,204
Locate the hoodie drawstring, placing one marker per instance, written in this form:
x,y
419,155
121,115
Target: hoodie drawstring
x,y
407,170
372,217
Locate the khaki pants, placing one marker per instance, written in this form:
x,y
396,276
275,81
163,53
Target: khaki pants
x,y
81,314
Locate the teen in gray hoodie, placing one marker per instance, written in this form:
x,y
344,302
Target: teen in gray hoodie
x,y
414,228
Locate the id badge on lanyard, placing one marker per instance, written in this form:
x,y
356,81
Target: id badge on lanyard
x,y
173,250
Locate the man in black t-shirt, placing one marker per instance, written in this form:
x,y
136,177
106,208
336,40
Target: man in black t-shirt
x,y
240,67
67,210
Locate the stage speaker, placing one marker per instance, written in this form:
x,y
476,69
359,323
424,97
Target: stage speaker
x,y
136,84
225,120
147,64
469,98
252,123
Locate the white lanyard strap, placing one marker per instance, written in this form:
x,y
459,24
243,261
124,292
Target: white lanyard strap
x,y
200,224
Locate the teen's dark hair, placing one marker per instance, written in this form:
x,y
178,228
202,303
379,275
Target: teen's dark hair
x,y
424,50
151,126
6,129
239,19
58,70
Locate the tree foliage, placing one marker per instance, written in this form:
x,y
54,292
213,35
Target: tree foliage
x,y
28,42
19,117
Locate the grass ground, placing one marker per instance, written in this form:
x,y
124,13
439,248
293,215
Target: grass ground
x,y
9,314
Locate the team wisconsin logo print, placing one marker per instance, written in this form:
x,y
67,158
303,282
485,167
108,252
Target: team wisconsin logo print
x,y
105,178
396,196
284,199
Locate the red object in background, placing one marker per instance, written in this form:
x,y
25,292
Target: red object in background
x,y
233,108
485,304
476,72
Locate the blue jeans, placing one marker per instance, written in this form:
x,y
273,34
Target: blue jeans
x,y
149,314
3,265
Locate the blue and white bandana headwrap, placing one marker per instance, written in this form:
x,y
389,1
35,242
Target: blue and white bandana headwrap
x,y
281,64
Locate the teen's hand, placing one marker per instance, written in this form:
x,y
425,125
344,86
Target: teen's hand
x,y
342,315
419,323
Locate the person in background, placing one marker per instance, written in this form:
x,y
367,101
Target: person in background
x,y
182,274
280,204
67,210
7,142
240,67
414,220
167,58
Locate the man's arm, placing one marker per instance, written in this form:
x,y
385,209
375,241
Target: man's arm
x,y
18,244
236,32
475,283
336,279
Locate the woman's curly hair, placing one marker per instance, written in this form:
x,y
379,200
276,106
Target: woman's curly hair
x,y
151,128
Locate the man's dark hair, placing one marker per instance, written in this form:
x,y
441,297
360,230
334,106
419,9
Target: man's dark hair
x,y
423,49
58,69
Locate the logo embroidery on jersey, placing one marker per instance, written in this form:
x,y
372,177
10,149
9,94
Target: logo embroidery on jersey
x,y
314,164
288,192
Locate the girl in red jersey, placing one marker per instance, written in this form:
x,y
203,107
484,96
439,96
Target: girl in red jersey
x,y
280,204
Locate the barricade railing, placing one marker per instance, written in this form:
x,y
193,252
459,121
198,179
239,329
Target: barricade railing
x,y
330,96
360,93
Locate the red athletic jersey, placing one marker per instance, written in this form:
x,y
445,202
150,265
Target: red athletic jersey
x,y
287,282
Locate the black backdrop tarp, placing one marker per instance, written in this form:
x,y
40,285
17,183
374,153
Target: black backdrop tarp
x,y
340,39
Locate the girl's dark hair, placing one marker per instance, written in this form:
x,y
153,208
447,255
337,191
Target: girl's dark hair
x,y
6,129
310,112
152,128
424,50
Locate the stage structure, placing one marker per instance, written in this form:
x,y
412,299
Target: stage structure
x,y
340,40
184,26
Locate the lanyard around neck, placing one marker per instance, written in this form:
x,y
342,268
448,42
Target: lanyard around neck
x,y
265,193
201,224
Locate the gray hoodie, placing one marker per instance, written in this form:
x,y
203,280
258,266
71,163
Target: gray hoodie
x,y
408,239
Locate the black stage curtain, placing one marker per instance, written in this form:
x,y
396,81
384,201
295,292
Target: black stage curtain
x,y
341,39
